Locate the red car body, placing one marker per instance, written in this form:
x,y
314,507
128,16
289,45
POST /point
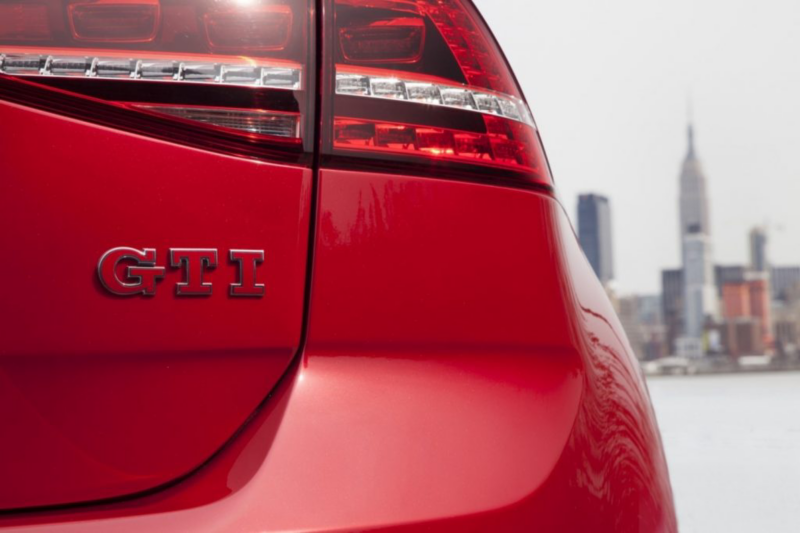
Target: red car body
x,y
431,349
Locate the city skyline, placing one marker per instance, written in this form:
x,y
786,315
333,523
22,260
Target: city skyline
x,y
706,308
693,216
611,107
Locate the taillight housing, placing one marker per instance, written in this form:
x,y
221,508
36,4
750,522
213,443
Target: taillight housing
x,y
420,86
416,86
229,75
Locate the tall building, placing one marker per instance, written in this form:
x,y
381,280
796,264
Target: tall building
x,y
699,290
693,195
672,305
760,305
758,250
594,233
736,300
747,310
783,279
700,296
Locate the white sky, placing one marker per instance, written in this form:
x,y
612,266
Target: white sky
x,y
608,83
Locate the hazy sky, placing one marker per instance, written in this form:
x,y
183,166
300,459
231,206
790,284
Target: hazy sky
x,y
608,83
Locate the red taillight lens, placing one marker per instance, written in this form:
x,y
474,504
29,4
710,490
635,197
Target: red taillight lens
x,y
423,83
385,39
24,22
409,83
115,21
231,75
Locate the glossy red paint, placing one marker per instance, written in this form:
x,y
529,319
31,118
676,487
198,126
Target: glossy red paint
x,y
458,366
104,395
463,371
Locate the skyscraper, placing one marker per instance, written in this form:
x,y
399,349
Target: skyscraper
x,y
672,304
693,197
758,250
699,290
594,233
700,296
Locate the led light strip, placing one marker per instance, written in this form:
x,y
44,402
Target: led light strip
x,y
459,97
177,70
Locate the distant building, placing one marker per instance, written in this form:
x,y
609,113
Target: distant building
x,y
594,233
672,305
736,300
641,319
743,337
783,279
747,301
760,305
758,250
650,309
786,333
694,217
786,320
724,274
699,291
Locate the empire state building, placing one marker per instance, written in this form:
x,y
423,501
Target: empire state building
x,y
693,198
699,292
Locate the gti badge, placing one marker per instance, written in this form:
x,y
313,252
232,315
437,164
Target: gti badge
x,y
142,274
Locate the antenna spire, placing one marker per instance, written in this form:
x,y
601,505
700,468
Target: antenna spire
x,y
690,123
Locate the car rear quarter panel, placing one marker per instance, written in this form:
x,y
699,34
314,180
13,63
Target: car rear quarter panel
x,y
463,370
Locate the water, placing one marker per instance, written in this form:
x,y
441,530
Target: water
x,y
733,447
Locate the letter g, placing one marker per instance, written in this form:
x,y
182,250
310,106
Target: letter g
x,y
140,278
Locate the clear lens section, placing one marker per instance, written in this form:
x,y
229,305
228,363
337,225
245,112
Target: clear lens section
x,y
68,66
352,84
276,77
430,93
281,78
425,93
21,64
461,98
235,74
388,88
114,68
270,123
154,70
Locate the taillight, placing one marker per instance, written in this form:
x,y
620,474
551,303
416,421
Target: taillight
x,y
421,85
410,85
230,75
